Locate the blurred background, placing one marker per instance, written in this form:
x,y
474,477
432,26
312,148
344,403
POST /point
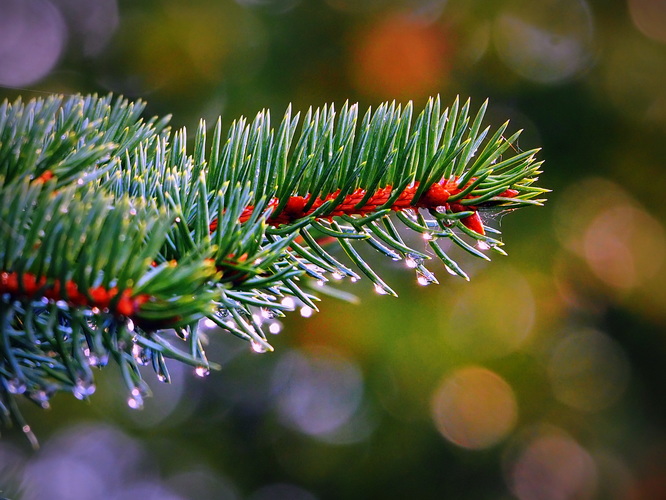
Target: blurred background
x,y
543,378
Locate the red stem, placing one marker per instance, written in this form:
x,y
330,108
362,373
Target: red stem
x,y
28,286
436,196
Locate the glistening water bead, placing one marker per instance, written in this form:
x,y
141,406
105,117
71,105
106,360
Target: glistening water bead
x,y
258,346
16,386
83,389
268,313
40,397
100,361
410,263
135,401
413,260
423,281
141,355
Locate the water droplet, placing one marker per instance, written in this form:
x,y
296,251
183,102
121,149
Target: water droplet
x,y
162,377
83,389
130,325
423,281
413,260
95,310
132,211
380,290
427,236
450,271
135,402
337,276
275,327
16,386
177,219
62,305
41,397
98,360
202,371
289,303
353,279
257,318
268,313
320,282
306,311
258,346
482,245
141,355
80,182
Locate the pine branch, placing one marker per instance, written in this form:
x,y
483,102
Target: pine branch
x,y
115,236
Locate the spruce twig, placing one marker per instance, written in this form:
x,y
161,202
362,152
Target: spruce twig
x,y
113,234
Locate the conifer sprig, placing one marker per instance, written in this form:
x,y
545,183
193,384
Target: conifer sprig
x,y
120,242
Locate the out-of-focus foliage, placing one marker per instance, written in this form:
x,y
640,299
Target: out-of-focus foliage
x,y
542,378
